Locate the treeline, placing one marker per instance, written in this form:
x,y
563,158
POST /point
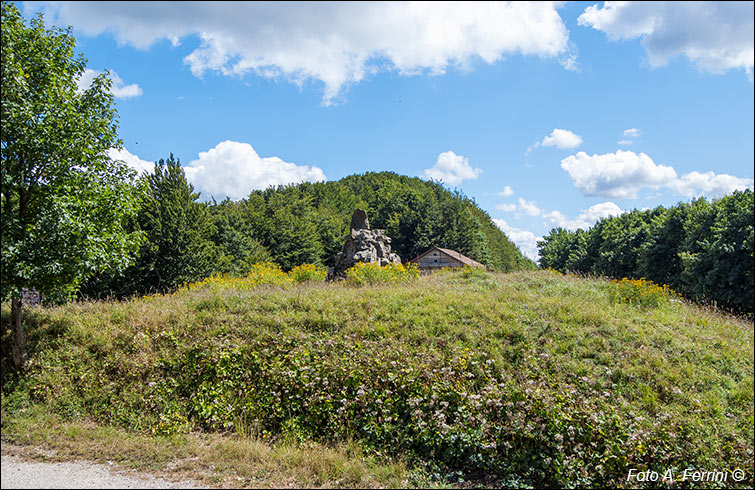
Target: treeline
x,y
185,240
701,249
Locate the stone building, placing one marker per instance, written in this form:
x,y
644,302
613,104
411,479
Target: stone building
x,y
436,258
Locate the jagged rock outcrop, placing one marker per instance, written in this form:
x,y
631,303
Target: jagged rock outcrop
x,y
363,245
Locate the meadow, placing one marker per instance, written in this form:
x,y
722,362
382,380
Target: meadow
x,y
393,379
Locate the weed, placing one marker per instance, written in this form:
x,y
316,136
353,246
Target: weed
x,y
370,273
641,292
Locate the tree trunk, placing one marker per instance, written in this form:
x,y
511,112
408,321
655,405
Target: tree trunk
x,y
19,336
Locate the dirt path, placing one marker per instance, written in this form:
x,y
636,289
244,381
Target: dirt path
x,y
16,472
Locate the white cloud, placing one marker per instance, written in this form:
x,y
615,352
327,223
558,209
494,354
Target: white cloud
x,y
562,138
117,88
131,160
601,210
507,192
233,169
509,208
586,218
451,169
695,184
569,59
616,175
715,36
529,207
624,173
337,43
632,134
525,240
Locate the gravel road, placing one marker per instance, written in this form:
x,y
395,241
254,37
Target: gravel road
x,y
17,473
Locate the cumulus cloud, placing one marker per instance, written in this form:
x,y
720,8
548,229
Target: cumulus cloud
x,y
528,207
118,87
624,173
451,169
586,218
695,184
337,43
525,240
507,192
715,36
562,138
233,169
616,175
131,160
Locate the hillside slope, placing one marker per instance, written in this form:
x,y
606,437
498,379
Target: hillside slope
x,y
528,378
306,223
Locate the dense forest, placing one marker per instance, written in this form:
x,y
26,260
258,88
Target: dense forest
x,y
185,240
703,250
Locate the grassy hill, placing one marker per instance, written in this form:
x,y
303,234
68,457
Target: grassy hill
x,y
528,378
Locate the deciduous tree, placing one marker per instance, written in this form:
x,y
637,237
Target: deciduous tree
x,y
64,201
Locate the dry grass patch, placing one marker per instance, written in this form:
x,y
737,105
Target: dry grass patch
x,y
216,460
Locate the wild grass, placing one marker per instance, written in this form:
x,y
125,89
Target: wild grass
x,y
532,378
223,460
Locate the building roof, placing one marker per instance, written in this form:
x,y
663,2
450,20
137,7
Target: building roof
x,y
451,253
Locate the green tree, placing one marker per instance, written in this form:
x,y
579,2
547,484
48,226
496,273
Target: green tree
x,y
178,230
659,258
621,239
555,248
64,201
296,240
717,253
240,249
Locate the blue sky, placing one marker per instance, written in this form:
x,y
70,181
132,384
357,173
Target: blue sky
x,y
546,114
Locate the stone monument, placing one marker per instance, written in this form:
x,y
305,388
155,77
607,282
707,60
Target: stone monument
x,y
362,245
